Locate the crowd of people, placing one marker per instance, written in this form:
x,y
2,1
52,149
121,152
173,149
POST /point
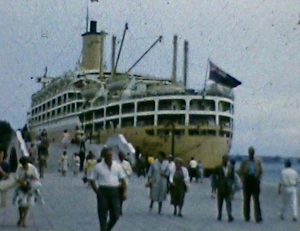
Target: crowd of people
x,y
164,175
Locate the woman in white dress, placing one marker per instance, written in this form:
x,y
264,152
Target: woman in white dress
x,y
66,139
28,192
64,163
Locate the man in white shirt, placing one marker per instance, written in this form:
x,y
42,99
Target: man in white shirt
x,y
128,171
106,180
288,189
193,169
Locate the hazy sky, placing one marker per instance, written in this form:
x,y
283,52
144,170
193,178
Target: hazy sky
x,y
256,41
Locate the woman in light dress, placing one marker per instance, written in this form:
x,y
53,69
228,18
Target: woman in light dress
x,y
157,181
64,163
66,139
28,192
76,164
179,180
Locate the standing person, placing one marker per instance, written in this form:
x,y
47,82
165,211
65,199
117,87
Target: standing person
x,y
128,171
33,153
213,186
28,192
251,173
224,178
43,148
66,139
287,188
106,180
157,181
141,165
200,171
4,175
42,162
193,169
64,163
179,180
82,157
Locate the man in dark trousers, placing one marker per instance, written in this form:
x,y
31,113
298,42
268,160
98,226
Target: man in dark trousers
x,y
224,178
106,180
251,173
82,158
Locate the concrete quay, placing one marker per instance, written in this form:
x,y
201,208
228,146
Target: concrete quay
x,y
71,205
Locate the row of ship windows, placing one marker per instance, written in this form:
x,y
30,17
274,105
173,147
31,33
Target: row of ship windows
x,y
163,120
59,100
147,106
166,133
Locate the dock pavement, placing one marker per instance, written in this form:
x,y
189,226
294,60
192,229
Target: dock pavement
x,y
70,205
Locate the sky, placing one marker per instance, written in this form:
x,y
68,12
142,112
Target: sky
x,y
257,42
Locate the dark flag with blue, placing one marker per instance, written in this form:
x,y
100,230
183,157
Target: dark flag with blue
x,y
221,77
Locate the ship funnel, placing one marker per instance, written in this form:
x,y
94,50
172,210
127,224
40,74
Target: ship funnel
x,y
174,81
185,63
93,27
92,49
113,55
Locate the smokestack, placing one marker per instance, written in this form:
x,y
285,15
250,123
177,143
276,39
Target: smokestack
x,y
185,63
101,69
174,59
113,55
93,27
90,56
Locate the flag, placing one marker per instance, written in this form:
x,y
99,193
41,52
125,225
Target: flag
x,y
94,0
219,76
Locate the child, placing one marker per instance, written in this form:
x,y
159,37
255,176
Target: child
x,y
64,163
76,164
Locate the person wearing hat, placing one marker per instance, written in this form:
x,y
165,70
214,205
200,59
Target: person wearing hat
x,y
251,172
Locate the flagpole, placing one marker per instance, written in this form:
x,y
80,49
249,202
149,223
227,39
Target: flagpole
x,y
205,81
87,16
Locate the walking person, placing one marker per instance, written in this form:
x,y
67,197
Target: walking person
x,y
287,188
251,172
193,169
82,158
224,178
179,180
64,163
106,180
171,168
89,165
82,141
75,164
4,175
157,181
43,147
66,139
128,171
28,192
200,171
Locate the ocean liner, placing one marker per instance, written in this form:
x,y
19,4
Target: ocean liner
x,y
154,114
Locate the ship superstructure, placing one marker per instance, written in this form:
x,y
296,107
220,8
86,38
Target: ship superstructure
x,y
154,114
